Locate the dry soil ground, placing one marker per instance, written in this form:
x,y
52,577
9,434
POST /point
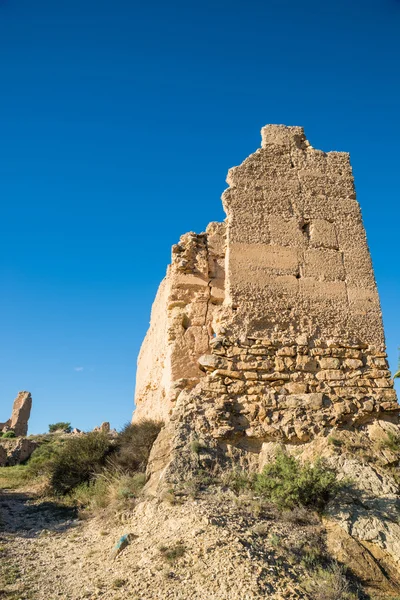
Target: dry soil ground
x,y
201,549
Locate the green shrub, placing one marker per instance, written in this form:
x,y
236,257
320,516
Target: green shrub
x,y
60,426
134,443
9,434
78,460
129,486
42,459
287,483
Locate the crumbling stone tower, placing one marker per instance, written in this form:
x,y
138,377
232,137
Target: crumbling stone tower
x,y
268,326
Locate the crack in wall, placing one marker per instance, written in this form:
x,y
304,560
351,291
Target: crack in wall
x,y
209,286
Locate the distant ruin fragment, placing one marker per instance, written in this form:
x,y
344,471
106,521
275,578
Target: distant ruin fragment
x,y
268,326
20,415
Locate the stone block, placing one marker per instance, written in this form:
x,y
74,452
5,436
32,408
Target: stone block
x,y
210,362
329,363
275,376
324,265
287,351
323,234
250,375
307,401
296,388
227,373
287,231
330,375
306,363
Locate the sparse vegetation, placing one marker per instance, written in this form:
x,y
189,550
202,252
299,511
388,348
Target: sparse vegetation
x,y
238,480
13,477
197,446
172,553
392,442
42,459
108,488
199,482
299,515
334,441
63,426
330,583
118,583
91,471
274,540
288,483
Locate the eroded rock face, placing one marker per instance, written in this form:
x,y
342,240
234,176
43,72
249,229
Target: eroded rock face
x,y
15,451
20,415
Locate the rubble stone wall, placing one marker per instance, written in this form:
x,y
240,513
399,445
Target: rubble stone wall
x,y
279,390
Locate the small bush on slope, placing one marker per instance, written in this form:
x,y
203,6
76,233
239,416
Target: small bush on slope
x,y
134,444
60,426
9,434
42,459
107,489
288,483
78,460
329,584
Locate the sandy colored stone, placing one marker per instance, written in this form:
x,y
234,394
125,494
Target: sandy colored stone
x,y
15,451
20,415
276,307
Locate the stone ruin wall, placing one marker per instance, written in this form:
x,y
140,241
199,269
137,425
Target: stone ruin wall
x,y
18,422
273,317
181,322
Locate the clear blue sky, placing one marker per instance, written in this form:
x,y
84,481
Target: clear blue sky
x,y
119,121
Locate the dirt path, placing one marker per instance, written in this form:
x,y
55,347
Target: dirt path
x,y
46,553
24,523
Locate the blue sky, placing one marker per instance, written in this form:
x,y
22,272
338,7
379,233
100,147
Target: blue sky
x,y
118,123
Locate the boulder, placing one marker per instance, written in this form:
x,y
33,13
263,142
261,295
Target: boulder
x,y
104,427
15,451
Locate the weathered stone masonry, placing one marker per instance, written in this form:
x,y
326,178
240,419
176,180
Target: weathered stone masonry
x,y
272,318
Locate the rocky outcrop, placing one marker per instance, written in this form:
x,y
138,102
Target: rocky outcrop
x,y
104,427
20,415
15,451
